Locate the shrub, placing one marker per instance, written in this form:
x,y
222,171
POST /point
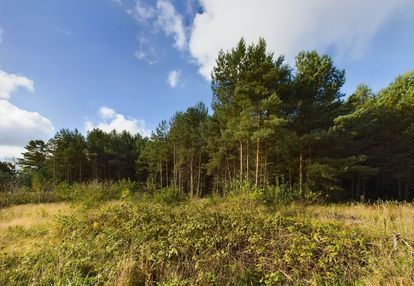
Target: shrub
x,y
148,243
26,197
169,195
90,194
246,192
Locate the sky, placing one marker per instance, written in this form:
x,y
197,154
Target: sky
x,y
128,64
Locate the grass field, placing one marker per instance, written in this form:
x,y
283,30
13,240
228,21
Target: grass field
x,y
206,243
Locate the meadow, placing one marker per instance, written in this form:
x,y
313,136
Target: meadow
x,y
103,234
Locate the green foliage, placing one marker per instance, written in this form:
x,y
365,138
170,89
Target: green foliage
x,y
93,194
169,196
7,175
246,193
185,244
23,196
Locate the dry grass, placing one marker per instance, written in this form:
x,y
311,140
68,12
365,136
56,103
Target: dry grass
x,y
389,227
25,228
377,219
30,215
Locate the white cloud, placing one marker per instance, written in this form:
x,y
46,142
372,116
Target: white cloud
x,y
147,51
11,82
162,16
115,121
18,126
346,26
8,152
174,78
171,22
106,112
142,12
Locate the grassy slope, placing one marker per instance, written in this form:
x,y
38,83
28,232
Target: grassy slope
x,y
29,229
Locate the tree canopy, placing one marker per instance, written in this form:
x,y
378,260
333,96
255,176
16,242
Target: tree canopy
x,y
269,124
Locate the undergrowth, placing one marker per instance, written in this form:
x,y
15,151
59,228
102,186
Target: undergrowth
x,y
148,243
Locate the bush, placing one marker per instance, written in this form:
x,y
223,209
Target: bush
x,y
90,194
26,197
246,192
169,195
148,243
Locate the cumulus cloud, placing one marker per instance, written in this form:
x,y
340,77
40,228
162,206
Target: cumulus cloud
x,y
161,16
8,152
174,78
111,120
106,112
345,26
18,126
11,82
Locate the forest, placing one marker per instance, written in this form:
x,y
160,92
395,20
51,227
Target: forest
x,y
270,124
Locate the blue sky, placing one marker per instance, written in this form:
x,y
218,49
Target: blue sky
x,y
129,64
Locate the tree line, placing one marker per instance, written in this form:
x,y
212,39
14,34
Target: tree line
x,y
271,124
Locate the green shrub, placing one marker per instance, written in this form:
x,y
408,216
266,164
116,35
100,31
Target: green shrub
x,y
148,243
246,192
27,197
91,194
127,188
169,195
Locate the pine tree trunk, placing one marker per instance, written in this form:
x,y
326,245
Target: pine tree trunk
x,y
257,151
167,183
54,170
96,169
352,186
241,160
358,189
300,172
199,175
179,179
191,177
257,162
363,190
119,174
247,163
161,174
175,167
266,179
228,167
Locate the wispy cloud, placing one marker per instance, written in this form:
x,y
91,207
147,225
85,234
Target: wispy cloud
x,y
174,78
147,51
119,2
160,17
63,31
